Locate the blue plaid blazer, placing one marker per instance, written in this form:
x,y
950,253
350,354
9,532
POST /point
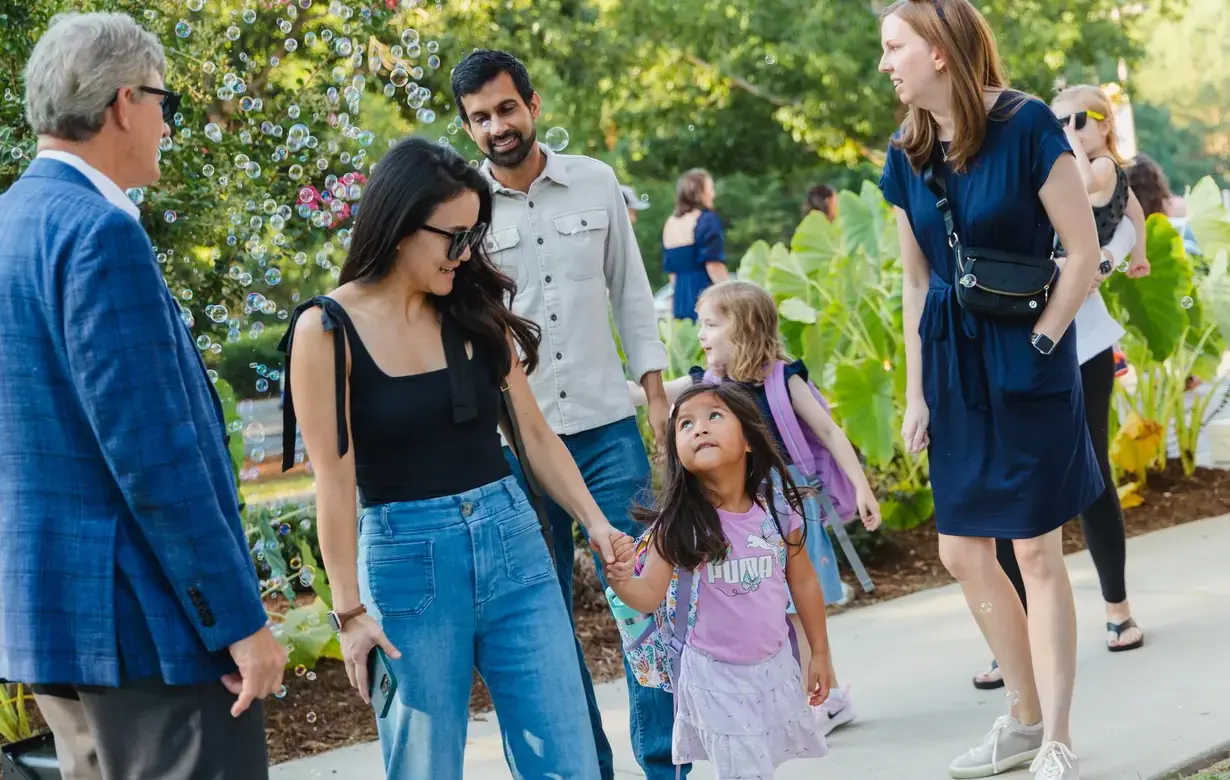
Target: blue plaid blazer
x,y
122,554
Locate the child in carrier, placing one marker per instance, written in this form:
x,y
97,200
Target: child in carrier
x,y
739,335
715,565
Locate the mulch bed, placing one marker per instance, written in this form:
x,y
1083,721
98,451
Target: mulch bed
x,y
321,712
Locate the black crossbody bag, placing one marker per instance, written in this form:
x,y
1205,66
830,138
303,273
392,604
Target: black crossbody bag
x,y
990,282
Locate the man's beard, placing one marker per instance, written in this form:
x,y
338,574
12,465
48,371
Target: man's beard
x,y
514,156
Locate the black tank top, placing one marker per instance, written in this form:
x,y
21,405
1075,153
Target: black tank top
x,y
415,437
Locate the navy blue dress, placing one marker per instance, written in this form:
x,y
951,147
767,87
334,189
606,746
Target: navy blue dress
x,y
1010,453
687,263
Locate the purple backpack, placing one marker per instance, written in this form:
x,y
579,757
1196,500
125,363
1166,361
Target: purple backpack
x,y
807,452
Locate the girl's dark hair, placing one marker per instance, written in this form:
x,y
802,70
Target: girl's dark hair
x,y
689,190
404,190
686,530
1148,181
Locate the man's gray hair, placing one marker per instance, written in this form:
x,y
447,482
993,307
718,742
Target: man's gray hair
x,y
77,67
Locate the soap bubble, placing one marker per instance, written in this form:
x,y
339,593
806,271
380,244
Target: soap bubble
x,y
249,16
985,607
170,216
281,694
399,77
433,61
311,717
769,59
409,37
1186,302
426,116
136,195
213,132
290,44
232,33
195,5
183,29
300,670
217,313
273,276
207,169
433,47
556,139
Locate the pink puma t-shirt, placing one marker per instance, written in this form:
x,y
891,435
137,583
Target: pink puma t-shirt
x,y
741,604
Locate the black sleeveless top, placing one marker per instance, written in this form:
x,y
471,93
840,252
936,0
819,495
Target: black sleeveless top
x,y
1108,217
416,437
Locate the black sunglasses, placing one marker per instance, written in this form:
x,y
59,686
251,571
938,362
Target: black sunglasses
x,y
461,239
170,101
1080,118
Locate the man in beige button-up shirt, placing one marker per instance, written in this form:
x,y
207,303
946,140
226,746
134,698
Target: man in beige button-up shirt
x,y
560,228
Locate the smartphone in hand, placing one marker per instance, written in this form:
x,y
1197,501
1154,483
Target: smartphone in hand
x,y
382,681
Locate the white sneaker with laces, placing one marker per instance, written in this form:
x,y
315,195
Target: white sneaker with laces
x,y
837,710
1007,745
1056,761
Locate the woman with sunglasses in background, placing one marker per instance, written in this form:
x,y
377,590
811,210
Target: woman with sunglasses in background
x,y
1089,124
397,378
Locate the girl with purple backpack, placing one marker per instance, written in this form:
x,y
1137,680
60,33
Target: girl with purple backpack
x,y
722,555
739,335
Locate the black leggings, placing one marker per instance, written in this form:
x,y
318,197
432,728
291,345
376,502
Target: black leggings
x,y
1102,522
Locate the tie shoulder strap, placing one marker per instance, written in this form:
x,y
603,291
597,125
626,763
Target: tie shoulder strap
x,y
335,321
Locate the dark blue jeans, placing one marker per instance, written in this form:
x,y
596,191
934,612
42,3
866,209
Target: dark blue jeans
x,y
613,463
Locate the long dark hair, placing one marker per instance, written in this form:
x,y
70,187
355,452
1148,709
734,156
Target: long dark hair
x,y
405,187
685,527
1148,181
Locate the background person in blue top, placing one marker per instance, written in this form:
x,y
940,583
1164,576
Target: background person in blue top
x,y
997,403
693,246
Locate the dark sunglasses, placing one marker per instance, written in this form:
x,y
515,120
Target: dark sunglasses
x,y
170,101
461,239
1080,118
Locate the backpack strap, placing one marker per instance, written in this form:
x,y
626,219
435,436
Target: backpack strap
x,y
843,538
786,420
334,320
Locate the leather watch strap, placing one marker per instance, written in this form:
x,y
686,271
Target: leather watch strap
x,y
345,617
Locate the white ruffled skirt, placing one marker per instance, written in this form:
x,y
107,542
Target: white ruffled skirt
x,y
745,719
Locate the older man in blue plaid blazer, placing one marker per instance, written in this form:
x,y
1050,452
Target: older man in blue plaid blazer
x,y
126,587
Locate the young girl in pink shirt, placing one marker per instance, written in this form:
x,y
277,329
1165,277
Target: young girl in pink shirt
x,y
740,700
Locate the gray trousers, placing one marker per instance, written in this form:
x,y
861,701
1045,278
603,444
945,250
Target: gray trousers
x,y
149,730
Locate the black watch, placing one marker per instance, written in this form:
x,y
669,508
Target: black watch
x,y
1042,343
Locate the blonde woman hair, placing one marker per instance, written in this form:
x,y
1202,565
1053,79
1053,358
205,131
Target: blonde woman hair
x,y
960,32
1089,97
753,335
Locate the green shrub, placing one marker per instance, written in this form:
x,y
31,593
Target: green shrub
x,y
245,362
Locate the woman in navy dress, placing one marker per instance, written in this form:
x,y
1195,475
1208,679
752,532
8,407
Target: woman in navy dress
x,y
996,403
693,246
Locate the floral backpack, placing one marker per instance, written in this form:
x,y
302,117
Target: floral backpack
x,y
653,652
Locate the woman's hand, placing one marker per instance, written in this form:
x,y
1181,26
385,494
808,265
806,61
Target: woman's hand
x,y
360,635
868,506
914,426
602,535
821,678
1138,268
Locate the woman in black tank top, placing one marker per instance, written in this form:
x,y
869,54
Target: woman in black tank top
x,y
395,380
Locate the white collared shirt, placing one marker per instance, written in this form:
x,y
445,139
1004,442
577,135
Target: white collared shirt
x,y
569,245
109,189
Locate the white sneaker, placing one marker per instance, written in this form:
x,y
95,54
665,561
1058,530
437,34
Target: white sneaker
x,y
1056,761
1007,745
837,710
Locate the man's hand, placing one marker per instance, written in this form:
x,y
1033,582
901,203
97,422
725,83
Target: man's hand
x,y
602,535
658,411
260,659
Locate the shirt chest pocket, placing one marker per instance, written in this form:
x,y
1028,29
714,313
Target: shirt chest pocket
x,y
503,249
582,242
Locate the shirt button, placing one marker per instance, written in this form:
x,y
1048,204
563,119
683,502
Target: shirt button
x,y
554,318
540,240
531,204
548,280
562,394
559,355
584,223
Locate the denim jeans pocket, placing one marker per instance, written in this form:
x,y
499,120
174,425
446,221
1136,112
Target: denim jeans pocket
x,y
526,558
401,577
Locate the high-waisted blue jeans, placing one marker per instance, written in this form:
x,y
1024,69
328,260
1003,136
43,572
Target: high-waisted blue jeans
x,y
461,582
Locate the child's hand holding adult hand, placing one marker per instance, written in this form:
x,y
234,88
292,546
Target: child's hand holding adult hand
x,y
821,678
621,570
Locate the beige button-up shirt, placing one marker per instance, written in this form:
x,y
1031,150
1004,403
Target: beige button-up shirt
x,y
569,245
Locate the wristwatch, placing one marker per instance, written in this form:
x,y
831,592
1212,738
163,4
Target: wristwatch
x,y
338,620
1042,343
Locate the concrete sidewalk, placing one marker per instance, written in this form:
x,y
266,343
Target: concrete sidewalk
x,y
910,662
